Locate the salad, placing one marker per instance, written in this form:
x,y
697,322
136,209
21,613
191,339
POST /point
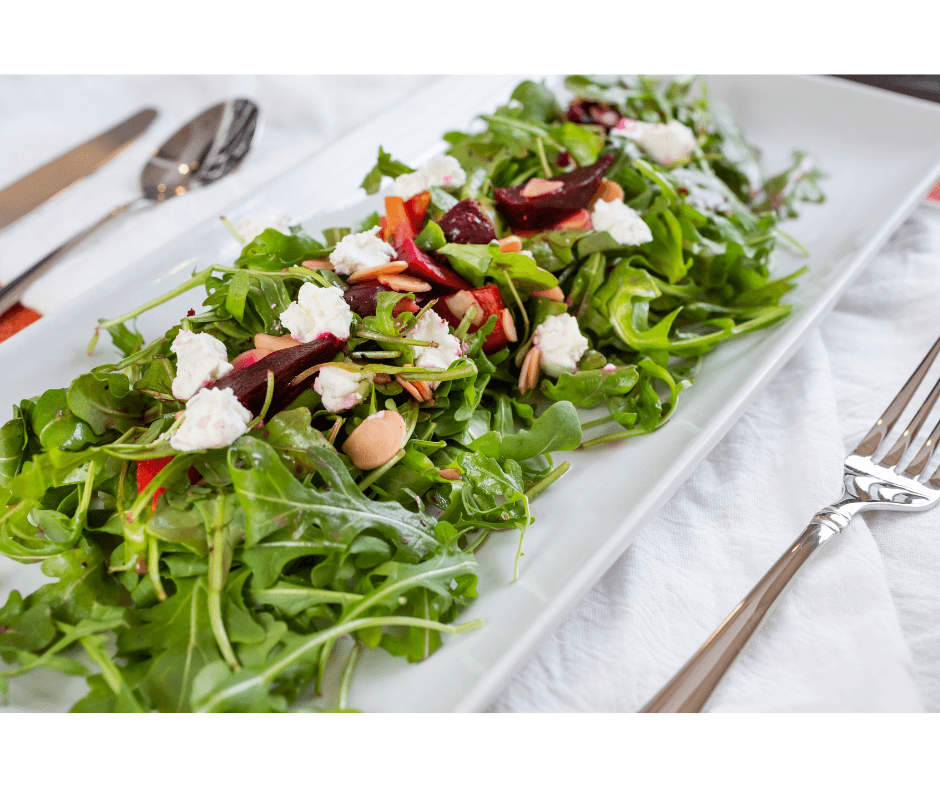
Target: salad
x,y
322,451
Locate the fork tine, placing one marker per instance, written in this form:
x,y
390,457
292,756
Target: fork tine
x,y
882,427
893,457
916,468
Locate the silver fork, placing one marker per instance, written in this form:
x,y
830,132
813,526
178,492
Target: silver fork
x,y
866,485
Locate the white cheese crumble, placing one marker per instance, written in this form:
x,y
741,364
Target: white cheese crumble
x,y
201,359
664,142
561,344
705,192
250,227
213,419
317,311
339,388
624,224
433,328
444,171
361,250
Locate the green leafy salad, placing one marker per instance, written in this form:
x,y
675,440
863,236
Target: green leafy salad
x,y
317,456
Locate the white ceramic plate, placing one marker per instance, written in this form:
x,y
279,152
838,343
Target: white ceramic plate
x,y
881,152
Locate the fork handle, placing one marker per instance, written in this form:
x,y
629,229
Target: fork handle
x,y
10,293
691,687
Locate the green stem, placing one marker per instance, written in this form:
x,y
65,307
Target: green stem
x,y
231,228
347,675
153,567
540,147
379,472
313,642
364,334
611,437
515,295
268,397
217,572
537,489
597,422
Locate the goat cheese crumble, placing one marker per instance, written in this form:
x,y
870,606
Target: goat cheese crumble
x,y
317,311
361,250
433,328
200,359
664,142
250,228
623,224
213,418
339,388
561,344
444,171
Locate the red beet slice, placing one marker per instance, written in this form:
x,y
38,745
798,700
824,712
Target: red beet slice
x,y
250,384
466,223
423,267
364,300
542,211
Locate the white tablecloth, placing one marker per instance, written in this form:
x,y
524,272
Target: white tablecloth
x,y
860,632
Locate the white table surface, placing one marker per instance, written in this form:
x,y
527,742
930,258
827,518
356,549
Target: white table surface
x,y
861,632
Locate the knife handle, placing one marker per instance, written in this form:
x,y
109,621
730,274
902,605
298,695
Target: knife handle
x,y
690,689
10,293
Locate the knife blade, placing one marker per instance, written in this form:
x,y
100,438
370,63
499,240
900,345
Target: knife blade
x,y
43,184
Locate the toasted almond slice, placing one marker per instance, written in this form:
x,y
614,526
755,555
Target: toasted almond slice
x,y
460,303
374,271
511,243
450,474
267,342
318,265
607,191
536,187
529,375
411,387
403,284
555,294
376,440
381,379
509,325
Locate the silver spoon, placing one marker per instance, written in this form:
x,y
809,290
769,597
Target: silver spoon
x,y
207,148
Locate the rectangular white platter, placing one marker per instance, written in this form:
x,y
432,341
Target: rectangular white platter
x,y
881,152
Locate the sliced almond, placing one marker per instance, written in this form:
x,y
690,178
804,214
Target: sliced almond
x,y
376,440
511,243
509,325
374,271
450,474
381,379
318,265
555,294
607,191
529,375
536,187
403,284
460,302
411,386
580,220
267,342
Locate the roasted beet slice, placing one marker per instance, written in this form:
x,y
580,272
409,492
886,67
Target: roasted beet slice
x,y
250,384
542,210
581,111
423,267
466,223
364,300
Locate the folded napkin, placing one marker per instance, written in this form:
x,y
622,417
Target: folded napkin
x,y
44,116
860,630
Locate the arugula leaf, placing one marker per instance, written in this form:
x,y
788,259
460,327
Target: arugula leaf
x,y
386,165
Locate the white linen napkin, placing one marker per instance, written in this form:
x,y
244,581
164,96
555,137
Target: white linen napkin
x,y
860,631
44,116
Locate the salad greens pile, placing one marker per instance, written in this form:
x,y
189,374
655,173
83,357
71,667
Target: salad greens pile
x,y
225,580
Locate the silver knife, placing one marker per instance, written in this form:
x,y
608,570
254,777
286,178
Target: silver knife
x,y
45,183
